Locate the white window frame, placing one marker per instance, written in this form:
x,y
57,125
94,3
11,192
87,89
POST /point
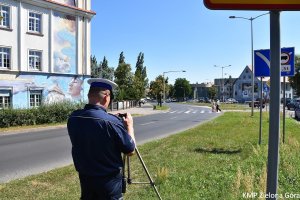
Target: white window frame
x,y
35,60
5,55
35,98
5,98
6,20
34,22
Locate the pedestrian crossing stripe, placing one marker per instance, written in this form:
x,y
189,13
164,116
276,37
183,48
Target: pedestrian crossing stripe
x,y
188,111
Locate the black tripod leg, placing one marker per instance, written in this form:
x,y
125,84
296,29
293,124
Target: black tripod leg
x,y
123,175
129,180
147,172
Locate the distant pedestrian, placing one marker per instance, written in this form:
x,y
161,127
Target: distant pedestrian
x,y
218,106
213,106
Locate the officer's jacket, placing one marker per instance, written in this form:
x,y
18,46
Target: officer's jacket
x,y
98,138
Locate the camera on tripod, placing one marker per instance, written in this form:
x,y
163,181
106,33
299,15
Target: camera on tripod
x,y
122,115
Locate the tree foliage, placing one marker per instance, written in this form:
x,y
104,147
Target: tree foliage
x,y
131,85
182,88
94,67
156,88
140,77
124,79
106,71
295,80
212,91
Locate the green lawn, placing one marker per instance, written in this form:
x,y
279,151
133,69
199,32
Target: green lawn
x,y
216,160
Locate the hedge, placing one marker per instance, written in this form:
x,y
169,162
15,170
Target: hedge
x,y
45,114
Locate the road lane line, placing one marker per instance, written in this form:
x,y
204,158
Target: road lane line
x,y
147,123
187,111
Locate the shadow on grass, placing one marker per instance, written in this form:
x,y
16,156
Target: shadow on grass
x,y
217,151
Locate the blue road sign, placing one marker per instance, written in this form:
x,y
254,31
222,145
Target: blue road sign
x,y
262,62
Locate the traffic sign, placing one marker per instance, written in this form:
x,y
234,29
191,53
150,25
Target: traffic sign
x,y
262,62
252,4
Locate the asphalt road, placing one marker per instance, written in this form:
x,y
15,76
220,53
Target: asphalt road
x,y
39,151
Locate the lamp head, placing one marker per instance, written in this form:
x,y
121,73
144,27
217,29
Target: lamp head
x,y
231,17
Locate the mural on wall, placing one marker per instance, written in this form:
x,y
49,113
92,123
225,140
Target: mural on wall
x,y
55,88
68,2
64,32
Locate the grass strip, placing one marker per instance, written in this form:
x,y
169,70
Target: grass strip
x,y
216,160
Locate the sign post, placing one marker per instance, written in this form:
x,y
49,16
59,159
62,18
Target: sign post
x,y
273,151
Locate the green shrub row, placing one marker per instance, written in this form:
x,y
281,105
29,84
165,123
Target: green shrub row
x,y
45,114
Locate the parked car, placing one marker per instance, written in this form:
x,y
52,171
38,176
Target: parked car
x,y
231,100
201,100
257,103
291,105
287,100
143,100
297,111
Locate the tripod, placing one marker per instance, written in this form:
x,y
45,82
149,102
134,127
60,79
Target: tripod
x,y
129,179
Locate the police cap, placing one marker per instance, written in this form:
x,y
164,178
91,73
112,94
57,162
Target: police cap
x,y
102,82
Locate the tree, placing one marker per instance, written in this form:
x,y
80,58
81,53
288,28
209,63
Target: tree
x,y
140,77
106,71
124,79
183,88
295,80
121,58
94,67
212,91
156,88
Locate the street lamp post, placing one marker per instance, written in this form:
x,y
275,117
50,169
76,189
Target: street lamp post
x,y
252,79
222,79
164,82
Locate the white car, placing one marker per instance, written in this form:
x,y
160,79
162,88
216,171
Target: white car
x,y
231,100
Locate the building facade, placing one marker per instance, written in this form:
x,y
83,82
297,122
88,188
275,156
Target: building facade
x,y
44,51
243,86
201,90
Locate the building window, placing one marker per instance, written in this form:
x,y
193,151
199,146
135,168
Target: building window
x,y
5,14
35,58
5,99
35,21
4,57
35,98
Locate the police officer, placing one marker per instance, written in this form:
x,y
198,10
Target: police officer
x,y
98,139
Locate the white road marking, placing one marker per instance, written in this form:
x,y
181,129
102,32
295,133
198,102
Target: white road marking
x,y
173,117
187,111
147,123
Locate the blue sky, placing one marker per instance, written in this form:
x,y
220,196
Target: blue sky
x,y
183,35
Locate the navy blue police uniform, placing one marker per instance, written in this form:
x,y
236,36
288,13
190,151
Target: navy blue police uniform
x,y
98,139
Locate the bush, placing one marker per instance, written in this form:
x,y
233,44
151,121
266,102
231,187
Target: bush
x,y
45,114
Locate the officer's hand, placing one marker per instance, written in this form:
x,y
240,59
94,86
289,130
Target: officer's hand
x,y
128,121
